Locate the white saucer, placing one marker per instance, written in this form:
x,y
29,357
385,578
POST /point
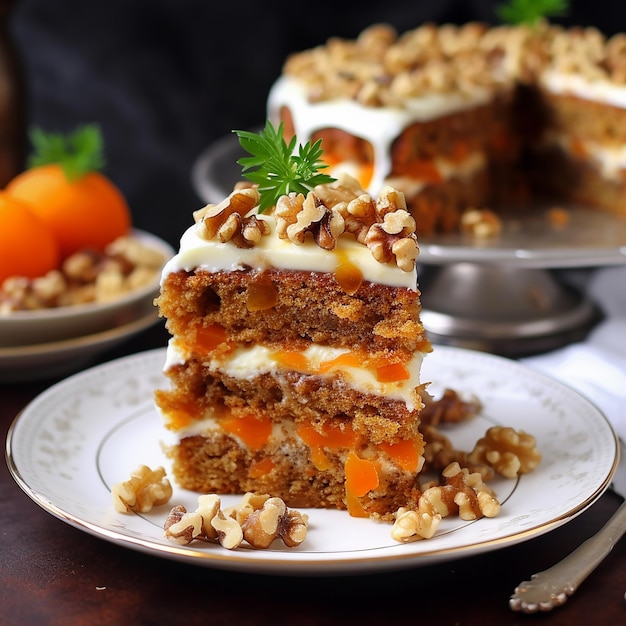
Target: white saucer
x,y
58,358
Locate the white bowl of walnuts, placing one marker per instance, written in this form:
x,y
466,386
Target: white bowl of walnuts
x,y
89,293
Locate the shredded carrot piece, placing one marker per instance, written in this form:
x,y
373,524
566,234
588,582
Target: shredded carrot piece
x,y
332,437
261,468
424,170
210,337
406,453
347,359
347,274
577,147
252,431
292,359
355,508
361,475
392,372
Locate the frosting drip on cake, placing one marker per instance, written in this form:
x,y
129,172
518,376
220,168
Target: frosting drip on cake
x,y
379,126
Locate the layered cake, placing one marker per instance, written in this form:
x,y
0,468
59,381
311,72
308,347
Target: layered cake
x,y
461,117
294,362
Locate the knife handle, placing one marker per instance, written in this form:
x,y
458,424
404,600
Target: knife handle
x,y
551,588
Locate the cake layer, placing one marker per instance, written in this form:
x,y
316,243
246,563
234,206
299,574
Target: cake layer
x,y
559,175
219,464
200,391
289,309
437,207
391,374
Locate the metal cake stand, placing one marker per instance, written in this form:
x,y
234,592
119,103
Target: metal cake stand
x,y
512,294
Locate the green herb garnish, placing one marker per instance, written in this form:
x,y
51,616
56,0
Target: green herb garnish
x,y
278,170
78,153
531,12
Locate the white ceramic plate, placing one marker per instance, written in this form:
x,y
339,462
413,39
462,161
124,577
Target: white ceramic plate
x,y
60,358
78,438
590,238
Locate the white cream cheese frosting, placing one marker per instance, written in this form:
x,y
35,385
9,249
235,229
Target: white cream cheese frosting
x,y
273,252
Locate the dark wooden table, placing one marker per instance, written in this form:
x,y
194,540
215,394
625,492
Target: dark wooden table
x,y
54,574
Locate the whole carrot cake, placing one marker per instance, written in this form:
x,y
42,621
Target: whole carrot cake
x,y
463,117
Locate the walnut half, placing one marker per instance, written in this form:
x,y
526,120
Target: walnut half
x,y
394,236
143,490
273,520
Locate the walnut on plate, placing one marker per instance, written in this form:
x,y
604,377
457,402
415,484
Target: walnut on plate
x,y
145,489
508,451
259,519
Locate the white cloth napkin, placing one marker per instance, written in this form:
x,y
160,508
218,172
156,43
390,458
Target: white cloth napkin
x,y
596,367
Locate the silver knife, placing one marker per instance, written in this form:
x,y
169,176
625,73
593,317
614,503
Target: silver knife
x,y
551,588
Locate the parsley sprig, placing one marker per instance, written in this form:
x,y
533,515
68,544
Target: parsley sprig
x,y
530,12
277,168
78,153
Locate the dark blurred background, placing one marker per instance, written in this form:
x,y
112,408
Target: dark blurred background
x,y
166,78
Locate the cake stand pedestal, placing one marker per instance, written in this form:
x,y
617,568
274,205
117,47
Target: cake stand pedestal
x,y
508,295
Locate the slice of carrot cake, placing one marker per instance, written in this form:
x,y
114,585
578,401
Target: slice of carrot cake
x,y
296,342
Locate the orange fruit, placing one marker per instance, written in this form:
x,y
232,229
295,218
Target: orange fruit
x,y
27,245
89,212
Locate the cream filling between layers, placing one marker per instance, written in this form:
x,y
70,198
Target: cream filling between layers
x,y
249,362
273,252
610,161
380,126
283,436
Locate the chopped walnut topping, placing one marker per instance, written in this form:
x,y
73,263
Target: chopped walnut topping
x,y
449,408
473,497
145,489
439,453
394,238
296,216
244,232
250,502
382,68
481,223
206,523
463,494
411,525
229,532
183,527
211,218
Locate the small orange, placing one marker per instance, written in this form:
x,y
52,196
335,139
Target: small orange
x,y
89,212
64,186
27,245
